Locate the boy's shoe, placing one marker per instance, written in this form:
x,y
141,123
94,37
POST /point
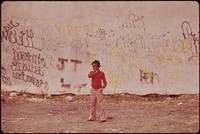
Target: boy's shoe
x,y
102,120
91,119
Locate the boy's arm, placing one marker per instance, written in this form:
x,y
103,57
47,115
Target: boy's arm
x,y
104,81
91,74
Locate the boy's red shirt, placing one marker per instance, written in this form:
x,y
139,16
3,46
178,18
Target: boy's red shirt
x,y
97,79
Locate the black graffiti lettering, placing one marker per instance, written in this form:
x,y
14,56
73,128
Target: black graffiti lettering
x,y
14,37
10,26
15,55
13,25
66,85
3,71
6,80
39,71
36,82
4,35
63,84
186,29
25,78
30,33
13,66
24,61
134,21
190,36
20,75
62,66
196,42
29,79
26,56
75,63
40,61
29,39
20,37
17,66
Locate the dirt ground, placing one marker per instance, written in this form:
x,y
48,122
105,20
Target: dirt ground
x,y
128,113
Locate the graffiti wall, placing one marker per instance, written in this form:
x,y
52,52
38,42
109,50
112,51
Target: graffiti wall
x,y
143,47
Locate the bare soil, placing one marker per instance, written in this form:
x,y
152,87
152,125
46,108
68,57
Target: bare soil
x,y
128,113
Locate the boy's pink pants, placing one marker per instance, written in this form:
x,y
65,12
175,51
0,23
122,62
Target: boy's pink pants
x,y
96,97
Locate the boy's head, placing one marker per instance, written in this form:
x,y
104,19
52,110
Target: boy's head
x,y
96,64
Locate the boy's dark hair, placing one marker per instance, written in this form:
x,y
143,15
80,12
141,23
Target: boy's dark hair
x,y
96,62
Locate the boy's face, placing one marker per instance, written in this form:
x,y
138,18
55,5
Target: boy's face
x,y
95,67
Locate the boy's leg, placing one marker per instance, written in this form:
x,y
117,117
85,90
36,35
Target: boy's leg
x,y
93,100
100,101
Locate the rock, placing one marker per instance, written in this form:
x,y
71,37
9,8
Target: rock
x,y
13,94
69,98
24,95
180,103
122,94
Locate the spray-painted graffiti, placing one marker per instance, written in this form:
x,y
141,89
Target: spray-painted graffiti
x,y
134,21
124,48
68,86
25,65
189,35
171,77
141,47
62,67
50,42
63,84
76,46
73,30
62,61
193,40
20,75
5,79
16,36
75,63
24,61
148,76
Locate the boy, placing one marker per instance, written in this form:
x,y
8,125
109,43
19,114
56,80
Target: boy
x,y
96,93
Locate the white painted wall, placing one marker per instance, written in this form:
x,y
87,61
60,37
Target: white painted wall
x,y
48,47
